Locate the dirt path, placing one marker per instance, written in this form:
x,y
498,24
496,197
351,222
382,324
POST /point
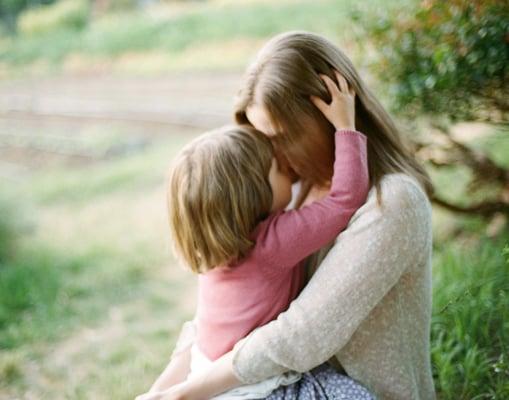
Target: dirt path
x,y
198,100
64,117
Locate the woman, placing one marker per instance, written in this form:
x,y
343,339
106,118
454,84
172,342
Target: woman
x,y
368,305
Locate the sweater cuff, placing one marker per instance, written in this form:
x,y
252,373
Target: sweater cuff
x,y
250,363
237,362
351,132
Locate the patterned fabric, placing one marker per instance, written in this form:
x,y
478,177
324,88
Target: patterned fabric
x,y
368,304
322,382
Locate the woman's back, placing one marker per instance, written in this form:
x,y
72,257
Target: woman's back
x,y
391,339
369,303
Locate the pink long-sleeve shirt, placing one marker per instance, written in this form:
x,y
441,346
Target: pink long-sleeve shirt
x,y
235,299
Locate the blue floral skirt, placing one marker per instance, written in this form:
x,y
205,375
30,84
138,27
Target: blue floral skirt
x,y
322,382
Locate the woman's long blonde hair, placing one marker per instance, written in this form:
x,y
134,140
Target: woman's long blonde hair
x,y
282,78
218,191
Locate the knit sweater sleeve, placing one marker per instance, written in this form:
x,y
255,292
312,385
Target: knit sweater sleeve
x,y
365,263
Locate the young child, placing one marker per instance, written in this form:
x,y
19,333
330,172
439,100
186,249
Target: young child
x,y
226,198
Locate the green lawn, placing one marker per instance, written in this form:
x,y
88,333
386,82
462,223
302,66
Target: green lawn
x,y
91,282
213,35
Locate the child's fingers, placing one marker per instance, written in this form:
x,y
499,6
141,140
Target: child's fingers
x,y
343,84
331,85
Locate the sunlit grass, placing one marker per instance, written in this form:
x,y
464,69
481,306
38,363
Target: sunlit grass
x,y
79,185
212,23
91,282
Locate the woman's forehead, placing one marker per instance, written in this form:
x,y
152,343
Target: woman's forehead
x,y
260,119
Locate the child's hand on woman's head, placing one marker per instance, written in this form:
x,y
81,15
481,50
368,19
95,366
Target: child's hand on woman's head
x,y
341,110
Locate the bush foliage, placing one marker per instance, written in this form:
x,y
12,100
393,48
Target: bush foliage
x,y
449,61
450,57
65,14
10,9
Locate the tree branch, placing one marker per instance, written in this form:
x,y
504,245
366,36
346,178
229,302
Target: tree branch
x,y
482,166
486,209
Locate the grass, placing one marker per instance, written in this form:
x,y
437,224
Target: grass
x,y
470,325
91,283
470,328
123,174
172,37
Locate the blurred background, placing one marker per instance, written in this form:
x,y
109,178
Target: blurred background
x,y
96,98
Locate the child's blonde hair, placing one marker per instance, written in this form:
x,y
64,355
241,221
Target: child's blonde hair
x,y
218,191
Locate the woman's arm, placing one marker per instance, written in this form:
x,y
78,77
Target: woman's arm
x,y
365,263
367,260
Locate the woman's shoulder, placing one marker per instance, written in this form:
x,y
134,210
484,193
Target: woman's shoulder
x,y
404,206
402,201
403,216
399,190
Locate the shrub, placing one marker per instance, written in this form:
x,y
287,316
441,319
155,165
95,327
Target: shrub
x,y
65,14
449,58
449,61
9,10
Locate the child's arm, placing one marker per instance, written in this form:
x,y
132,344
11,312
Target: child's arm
x,y
218,378
179,366
289,237
175,372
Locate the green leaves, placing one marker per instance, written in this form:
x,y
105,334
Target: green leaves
x,y
449,58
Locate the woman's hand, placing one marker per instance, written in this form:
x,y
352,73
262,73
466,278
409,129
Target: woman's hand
x,y
341,110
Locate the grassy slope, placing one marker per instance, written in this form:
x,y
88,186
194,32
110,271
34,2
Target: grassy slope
x,y
92,284
182,40
470,324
